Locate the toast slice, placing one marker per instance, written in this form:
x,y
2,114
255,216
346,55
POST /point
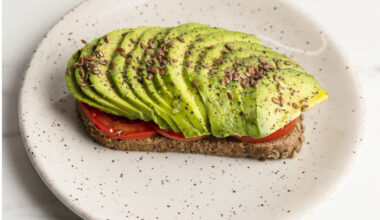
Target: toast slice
x,y
286,147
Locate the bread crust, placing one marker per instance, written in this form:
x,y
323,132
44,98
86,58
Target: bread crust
x,y
286,147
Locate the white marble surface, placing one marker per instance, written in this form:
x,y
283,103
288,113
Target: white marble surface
x,y
352,22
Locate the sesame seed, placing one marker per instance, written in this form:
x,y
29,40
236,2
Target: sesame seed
x,y
195,84
83,41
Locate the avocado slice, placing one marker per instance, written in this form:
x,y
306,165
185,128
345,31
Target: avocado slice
x,y
169,93
190,102
128,78
86,94
102,83
156,90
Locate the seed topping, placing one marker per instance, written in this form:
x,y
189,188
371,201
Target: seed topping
x,y
181,39
230,95
195,84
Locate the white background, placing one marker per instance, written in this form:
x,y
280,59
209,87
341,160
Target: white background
x,y
355,24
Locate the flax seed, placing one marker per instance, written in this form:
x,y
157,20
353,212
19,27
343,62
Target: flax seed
x,y
278,64
150,76
276,101
189,63
106,39
195,84
153,70
230,95
304,107
288,63
181,39
129,62
275,77
295,105
82,84
83,41
68,71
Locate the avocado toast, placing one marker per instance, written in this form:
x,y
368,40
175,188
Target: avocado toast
x,y
191,88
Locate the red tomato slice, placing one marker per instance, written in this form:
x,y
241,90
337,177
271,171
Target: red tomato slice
x,y
117,126
276,135
175,136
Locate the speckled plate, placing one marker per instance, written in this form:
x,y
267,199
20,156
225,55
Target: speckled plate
x,y
98,183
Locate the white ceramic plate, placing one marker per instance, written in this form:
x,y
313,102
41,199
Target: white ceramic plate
x,y
99,183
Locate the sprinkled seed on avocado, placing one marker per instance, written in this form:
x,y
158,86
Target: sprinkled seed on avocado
x,y
181,39
106,39
68,71
195,84
83,41
230,95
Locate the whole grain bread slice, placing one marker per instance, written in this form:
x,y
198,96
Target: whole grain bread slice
x,y
286,147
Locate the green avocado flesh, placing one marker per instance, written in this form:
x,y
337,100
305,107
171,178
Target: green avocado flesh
x,y
194,79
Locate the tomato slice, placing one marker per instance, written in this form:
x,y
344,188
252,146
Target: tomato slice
x,y
117,126
175,136
276,135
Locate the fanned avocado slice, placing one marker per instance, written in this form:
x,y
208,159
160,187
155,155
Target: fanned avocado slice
x,y
101,81
157,91
128,78
171,95
198,47
83,91
189,102
76,91
238,108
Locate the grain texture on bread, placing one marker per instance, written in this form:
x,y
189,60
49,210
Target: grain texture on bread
x,y
286,147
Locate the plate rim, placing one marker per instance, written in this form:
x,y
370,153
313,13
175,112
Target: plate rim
x,y
330,192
